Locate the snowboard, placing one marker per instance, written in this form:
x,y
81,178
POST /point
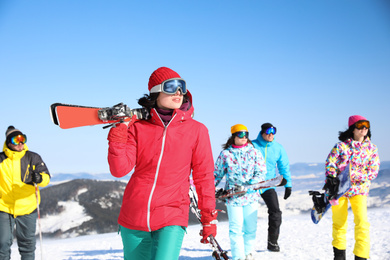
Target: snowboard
x,y
222,194
69,116
344,186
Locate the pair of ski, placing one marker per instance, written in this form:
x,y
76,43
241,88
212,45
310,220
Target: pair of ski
x,y
69,116
218,252
240,190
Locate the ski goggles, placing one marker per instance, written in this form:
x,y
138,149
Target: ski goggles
x,y
271,130
361,124
241,134
19,139
170,86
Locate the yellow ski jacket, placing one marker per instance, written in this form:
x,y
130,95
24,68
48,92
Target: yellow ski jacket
x,y
17,191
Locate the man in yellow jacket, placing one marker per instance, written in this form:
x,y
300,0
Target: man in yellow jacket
x,y
20,170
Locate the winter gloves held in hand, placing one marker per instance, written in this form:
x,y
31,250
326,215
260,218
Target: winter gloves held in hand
x,y
331,187
287,192
118,133
209,223
36,177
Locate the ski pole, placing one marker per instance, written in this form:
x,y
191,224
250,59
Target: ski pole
x,y
215,244
218,252
39,218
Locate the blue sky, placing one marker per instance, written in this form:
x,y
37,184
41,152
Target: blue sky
x,y
303,65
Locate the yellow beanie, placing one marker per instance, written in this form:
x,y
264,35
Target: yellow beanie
x,y
238,128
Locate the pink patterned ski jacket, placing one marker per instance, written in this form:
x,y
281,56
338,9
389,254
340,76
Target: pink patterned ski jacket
x,y
364,162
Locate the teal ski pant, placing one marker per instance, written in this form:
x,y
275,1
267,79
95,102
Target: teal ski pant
x,y
25,235
162,244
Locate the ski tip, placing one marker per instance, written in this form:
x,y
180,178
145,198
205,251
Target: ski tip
x,y
53,113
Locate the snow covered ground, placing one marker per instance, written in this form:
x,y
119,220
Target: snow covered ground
x,y
299,239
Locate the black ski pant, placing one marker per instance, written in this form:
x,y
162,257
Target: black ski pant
x,y
274,214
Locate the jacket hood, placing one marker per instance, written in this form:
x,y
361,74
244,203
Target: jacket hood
x,y
189,95
14,154
263,142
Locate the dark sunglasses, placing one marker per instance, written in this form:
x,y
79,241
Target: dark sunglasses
x,y
241,134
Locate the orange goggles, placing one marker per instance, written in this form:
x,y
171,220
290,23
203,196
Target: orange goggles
x,y
19,139
361,124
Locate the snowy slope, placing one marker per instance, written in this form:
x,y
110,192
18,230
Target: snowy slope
x,y
300,239
305,177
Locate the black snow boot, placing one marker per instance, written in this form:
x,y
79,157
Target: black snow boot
x,y
339,254
359,258
274,247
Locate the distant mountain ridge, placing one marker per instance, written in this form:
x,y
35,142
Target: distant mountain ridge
x,y
297,169
61,177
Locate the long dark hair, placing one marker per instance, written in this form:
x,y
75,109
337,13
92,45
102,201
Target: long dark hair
x,y
230,141
150,101
343,136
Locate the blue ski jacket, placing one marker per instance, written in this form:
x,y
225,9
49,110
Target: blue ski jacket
x,y
275,156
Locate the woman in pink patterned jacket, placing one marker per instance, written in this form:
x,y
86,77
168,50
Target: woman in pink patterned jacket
x,y
356,150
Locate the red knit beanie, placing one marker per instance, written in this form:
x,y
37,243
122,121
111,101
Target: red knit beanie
x,y
353,119
160,75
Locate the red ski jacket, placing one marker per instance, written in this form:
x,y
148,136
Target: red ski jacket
x,y
164,157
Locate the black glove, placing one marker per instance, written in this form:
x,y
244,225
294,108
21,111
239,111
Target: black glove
x,y
287,192
319,201
331,187
36,177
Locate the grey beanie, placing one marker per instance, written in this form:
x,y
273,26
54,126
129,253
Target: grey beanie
x,y
11,132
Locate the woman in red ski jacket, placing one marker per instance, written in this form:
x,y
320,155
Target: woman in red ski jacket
x,y
163,151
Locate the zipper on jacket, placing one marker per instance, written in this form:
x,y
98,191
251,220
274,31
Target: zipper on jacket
x,y
157,170
26,174
265,161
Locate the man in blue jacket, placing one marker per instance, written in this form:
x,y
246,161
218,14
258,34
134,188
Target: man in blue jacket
x,y
275,156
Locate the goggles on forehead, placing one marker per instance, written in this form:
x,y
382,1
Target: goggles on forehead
x,y
170,86
271,130
19,139
361,124
241,134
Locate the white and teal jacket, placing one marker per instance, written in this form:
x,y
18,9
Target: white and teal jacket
x,y
242,165
275,156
